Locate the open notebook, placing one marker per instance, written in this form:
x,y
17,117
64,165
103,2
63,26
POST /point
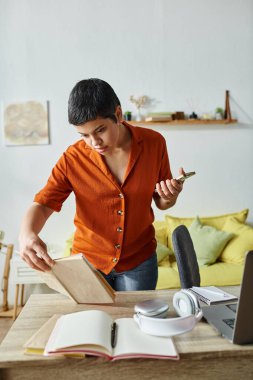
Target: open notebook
x,y
75,277
91,332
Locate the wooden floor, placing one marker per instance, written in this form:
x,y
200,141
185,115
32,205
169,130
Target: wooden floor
x,y
5,325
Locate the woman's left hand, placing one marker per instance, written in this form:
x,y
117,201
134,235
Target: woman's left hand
x,y
169,189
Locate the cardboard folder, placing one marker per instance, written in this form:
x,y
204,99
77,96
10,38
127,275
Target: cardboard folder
x,y
76,278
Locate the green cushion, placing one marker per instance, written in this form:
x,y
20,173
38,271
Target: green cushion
x,y
208,242
162,252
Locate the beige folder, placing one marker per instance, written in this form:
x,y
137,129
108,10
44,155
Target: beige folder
x,y
75,277
37,343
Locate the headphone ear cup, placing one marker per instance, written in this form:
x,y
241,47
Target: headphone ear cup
x,y
185,303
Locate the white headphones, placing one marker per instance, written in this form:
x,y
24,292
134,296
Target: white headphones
x,y
187,307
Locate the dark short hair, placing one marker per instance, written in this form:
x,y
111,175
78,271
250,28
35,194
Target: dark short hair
x,y
91,98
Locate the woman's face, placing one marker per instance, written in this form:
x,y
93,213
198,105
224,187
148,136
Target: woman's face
x,y
101,134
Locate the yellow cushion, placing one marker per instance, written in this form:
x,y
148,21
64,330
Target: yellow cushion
x,y
167,278
236,249
68,246
214,221
161,231
221,274
218,274
165,263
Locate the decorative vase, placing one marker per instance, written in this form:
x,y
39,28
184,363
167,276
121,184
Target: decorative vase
x,y
138,115
218,116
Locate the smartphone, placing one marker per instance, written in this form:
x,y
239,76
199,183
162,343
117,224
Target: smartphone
x,y
182,178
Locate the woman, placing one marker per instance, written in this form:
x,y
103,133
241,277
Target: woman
x,y
114,170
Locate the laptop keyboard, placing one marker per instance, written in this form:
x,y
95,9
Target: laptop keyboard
x,y
233,307
230,322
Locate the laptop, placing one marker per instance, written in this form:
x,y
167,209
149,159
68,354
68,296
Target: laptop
x,y
234,321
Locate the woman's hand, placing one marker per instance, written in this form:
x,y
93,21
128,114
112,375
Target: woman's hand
x,y
34,252
32,249
168,191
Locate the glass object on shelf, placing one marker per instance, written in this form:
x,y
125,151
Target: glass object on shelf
x,y
139,102
219,113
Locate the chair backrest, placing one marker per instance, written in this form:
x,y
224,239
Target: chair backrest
x,y
188,267
8,251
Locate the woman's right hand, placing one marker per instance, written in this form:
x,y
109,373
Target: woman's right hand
x,y
34,252
32,249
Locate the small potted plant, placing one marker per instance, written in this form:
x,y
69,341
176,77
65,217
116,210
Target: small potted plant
x,y
219,113
128,115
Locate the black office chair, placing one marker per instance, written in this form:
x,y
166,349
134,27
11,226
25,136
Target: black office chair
x,y
188,267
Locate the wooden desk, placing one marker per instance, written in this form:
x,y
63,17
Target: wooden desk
x,y
203,354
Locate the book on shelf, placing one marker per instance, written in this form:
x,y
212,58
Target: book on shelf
x,y
159,116
95,333
212,295
76,278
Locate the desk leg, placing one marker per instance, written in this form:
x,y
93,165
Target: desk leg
x,y
16,303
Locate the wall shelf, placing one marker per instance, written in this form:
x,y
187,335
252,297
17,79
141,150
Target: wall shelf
x,y
183,122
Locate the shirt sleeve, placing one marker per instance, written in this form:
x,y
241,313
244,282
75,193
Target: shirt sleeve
x,y
165,172
57,189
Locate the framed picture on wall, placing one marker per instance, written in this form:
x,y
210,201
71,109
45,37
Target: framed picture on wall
x,y
26,123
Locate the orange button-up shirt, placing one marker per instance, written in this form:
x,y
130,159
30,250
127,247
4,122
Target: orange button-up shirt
x,y
113,222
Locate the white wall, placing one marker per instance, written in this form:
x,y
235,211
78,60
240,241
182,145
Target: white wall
x,y
178,52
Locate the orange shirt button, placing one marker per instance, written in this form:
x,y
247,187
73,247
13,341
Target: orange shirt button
x,y
117,246
114,259
120,212
121,195
119,229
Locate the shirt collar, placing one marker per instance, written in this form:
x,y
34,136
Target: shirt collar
x,y
136,148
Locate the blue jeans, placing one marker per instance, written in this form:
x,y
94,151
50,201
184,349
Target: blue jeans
x,y
142,277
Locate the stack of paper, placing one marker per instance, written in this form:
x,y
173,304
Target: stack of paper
x,y
212,295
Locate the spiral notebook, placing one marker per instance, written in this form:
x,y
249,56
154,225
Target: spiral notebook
x,y
212,295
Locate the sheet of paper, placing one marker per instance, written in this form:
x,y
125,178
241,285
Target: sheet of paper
x,y
132,341
91,327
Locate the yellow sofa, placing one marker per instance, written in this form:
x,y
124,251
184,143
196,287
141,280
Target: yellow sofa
x,y
226,270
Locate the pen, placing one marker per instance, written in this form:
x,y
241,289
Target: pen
x,y
216,293
113,334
